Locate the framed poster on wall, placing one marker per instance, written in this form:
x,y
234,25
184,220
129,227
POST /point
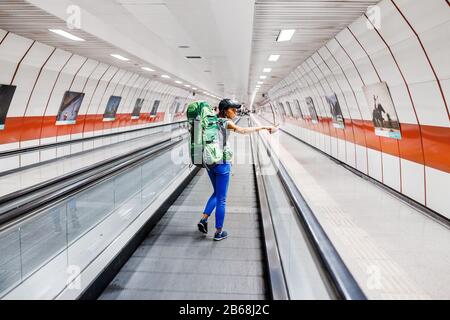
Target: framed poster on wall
x,y
175,105
184,108
178,109
384,115
312,110
289,108
283,110
299,108
155,107
70,105
336,112
111,108
275,114
137,109
6,96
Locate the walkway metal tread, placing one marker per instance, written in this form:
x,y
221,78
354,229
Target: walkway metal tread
x,y
176,261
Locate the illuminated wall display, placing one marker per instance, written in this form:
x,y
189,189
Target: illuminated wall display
x,y
288,104
176,105
185,107
6,96
312,110
384,115
155,107
283,111
299,108
137,109
111,108
70,105
336,112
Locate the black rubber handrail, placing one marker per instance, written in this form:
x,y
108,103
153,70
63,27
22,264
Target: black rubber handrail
x,y
62,143
25,201
275,271
342,281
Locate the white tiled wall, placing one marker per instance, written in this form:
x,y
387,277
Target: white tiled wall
x,y
410,53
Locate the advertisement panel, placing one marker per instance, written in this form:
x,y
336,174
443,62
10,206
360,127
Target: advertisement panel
x,y
70,105
6,96
384,115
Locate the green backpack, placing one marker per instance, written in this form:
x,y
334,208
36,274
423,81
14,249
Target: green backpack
x,y
206,145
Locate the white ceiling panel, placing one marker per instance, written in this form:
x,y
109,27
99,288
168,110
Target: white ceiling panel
x,y
315,22
234,38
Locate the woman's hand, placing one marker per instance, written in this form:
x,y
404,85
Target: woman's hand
x,y
272,129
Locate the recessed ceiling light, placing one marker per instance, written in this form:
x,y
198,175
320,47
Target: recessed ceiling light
x,y
260,82
194,88
285,35
179,82
263,77
147,69
258,86
118,56
66,34
187,85
267,70
274,57
165,76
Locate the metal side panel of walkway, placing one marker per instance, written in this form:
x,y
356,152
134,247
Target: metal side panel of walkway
x,y
176,261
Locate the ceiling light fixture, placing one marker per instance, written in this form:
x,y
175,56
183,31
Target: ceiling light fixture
x,y
118,56
165,76
260,82
147,69
179,82
263,77
66,34
285,35
274,57
187,85
267,70
194,88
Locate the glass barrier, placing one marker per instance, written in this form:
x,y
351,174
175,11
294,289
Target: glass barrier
x,y
70,235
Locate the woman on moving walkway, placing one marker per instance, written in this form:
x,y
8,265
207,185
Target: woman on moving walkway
x,y
219,174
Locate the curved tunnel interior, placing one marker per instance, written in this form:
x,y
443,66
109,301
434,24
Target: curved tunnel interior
x,y
347,198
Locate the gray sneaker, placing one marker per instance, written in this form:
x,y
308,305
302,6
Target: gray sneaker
x,y
221,235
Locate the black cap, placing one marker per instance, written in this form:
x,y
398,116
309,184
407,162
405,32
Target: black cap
x,y
228,103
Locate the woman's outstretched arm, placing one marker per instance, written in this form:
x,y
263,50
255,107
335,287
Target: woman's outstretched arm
x,y
235,128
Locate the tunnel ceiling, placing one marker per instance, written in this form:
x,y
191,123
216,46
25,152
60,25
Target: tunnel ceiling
x,y
161,33
315,22
217,31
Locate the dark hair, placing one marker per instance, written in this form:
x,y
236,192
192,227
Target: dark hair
x,y
222,113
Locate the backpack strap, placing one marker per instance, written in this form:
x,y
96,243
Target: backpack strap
x,y
224,137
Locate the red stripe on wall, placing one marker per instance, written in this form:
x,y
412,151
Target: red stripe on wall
x,y
29,128
436,141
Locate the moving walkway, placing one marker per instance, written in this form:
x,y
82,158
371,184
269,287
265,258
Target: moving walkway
x,y
126,229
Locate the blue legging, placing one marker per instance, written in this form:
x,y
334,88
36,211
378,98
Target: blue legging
x,y
220,178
